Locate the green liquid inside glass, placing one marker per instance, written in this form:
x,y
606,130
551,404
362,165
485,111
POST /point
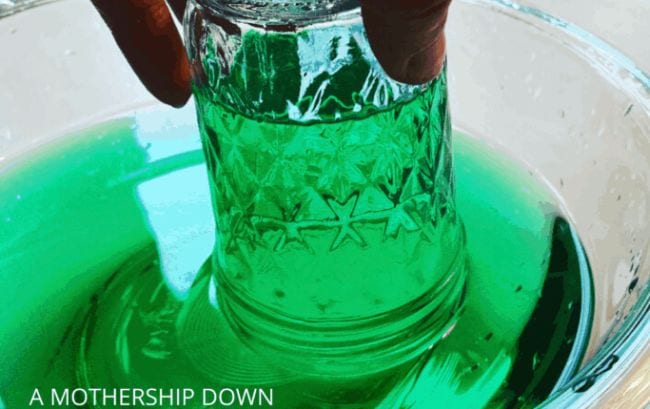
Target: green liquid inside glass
x,y
120,220
339,249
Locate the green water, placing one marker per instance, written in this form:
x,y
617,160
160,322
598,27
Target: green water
x,y
103,235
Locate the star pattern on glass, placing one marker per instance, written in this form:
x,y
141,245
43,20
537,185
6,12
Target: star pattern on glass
x,y
243,183
390,159
279,183
399,219
426,176
422,211
291,230
275,165
340,172
243,233
343,213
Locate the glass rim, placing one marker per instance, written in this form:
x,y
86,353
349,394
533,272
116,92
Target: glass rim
x,y
284,15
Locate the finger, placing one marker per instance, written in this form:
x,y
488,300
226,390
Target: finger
x,y
407,36
178,7
145,32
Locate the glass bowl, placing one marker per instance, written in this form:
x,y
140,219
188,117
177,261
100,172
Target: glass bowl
x,y
543,91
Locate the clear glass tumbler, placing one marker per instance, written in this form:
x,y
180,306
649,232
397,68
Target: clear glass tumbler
x,y
339,249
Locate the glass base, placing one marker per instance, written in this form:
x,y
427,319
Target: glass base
x,y
349,347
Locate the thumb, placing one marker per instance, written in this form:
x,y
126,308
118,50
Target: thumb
x,y
407,36
145,32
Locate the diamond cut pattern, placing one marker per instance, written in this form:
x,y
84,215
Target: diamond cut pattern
x,y
274,182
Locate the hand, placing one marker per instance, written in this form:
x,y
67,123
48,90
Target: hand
x,y
406,36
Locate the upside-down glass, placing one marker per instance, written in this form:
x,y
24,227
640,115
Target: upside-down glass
x,y
338,245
